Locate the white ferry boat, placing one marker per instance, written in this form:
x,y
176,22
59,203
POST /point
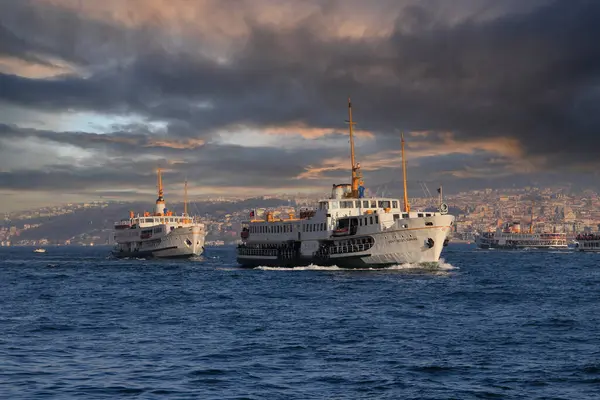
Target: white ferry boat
x,y
159,234
510,237
588,242
347,230
39,250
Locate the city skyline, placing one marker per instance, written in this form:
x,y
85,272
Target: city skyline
x,y
246,98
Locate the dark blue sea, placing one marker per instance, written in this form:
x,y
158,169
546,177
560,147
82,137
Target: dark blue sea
x,y
77,324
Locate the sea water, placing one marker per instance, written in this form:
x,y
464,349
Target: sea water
x,y
75,323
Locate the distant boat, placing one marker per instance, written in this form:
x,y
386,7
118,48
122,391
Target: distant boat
x,y
160,234
511,238
588,242
39,251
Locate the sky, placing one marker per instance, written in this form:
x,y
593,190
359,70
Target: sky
x,y
249,97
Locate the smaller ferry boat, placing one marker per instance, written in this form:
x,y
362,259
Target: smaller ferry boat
x,y
510,237
40,250
159,234
588,242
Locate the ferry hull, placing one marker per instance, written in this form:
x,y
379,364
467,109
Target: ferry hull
x,y
391,247
181,243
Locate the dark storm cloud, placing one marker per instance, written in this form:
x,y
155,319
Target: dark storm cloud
x,y
530,75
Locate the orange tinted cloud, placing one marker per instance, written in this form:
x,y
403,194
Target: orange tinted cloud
x,y
427,146
28,69
311,132
232,18
176,144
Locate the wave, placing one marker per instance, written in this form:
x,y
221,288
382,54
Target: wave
x,y
441,265
311,267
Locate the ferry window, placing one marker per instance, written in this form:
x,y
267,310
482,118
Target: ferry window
x,y
405,215
360,222
323,226
365,221
323,205
335,204
395,204
429,223
428,215
384,204
373,203
376,219
150,220
396,217
419,215
370,220
365,203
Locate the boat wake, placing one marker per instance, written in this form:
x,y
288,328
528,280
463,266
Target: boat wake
x,y
442,265
310,267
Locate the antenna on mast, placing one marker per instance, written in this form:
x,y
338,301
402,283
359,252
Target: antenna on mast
x,y
355,166
406,204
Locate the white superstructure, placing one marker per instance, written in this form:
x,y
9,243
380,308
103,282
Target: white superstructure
x,y
160,234
347,230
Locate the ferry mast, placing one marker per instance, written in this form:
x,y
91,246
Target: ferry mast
x,y
160,202
406,204
356,175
